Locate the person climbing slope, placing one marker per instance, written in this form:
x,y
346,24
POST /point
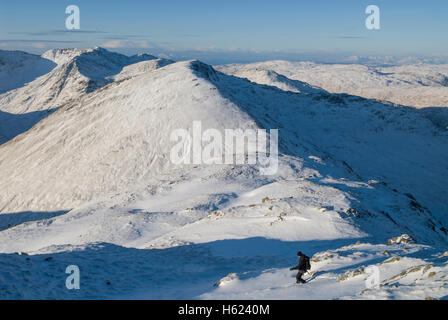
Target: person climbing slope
x,y
303,266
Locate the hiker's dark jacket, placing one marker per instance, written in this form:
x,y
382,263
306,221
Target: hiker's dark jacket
x,y
302,263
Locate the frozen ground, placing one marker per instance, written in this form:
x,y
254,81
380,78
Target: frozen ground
x,y
90,184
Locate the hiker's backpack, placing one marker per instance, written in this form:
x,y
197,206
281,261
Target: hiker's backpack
x,y
307,263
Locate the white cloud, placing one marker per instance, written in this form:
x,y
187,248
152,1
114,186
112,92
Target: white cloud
x,y
38,45
113,44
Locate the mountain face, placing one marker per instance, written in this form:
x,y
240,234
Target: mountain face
x,y
76,72
17,68
417,85
92,184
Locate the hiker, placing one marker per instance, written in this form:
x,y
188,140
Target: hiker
x,y
303,266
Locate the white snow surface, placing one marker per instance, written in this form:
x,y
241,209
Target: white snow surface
x,y
90,183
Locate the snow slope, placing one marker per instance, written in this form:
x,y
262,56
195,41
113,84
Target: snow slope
x,y
418,85
98,172
77,72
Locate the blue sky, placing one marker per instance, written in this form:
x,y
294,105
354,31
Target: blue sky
x,y
230,30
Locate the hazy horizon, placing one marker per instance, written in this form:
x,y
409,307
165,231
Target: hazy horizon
x,y
323,31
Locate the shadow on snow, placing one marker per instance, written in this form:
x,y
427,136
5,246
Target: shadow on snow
x,y
183,272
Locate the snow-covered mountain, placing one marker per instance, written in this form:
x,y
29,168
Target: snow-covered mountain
x,y
17,68
417,85
91,184
77,72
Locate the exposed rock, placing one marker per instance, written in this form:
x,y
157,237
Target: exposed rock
x,y
352,212
403,239
227,279
351,273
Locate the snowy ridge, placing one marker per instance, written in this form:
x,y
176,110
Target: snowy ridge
x,y
61,56
272,78
139,68
419,85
